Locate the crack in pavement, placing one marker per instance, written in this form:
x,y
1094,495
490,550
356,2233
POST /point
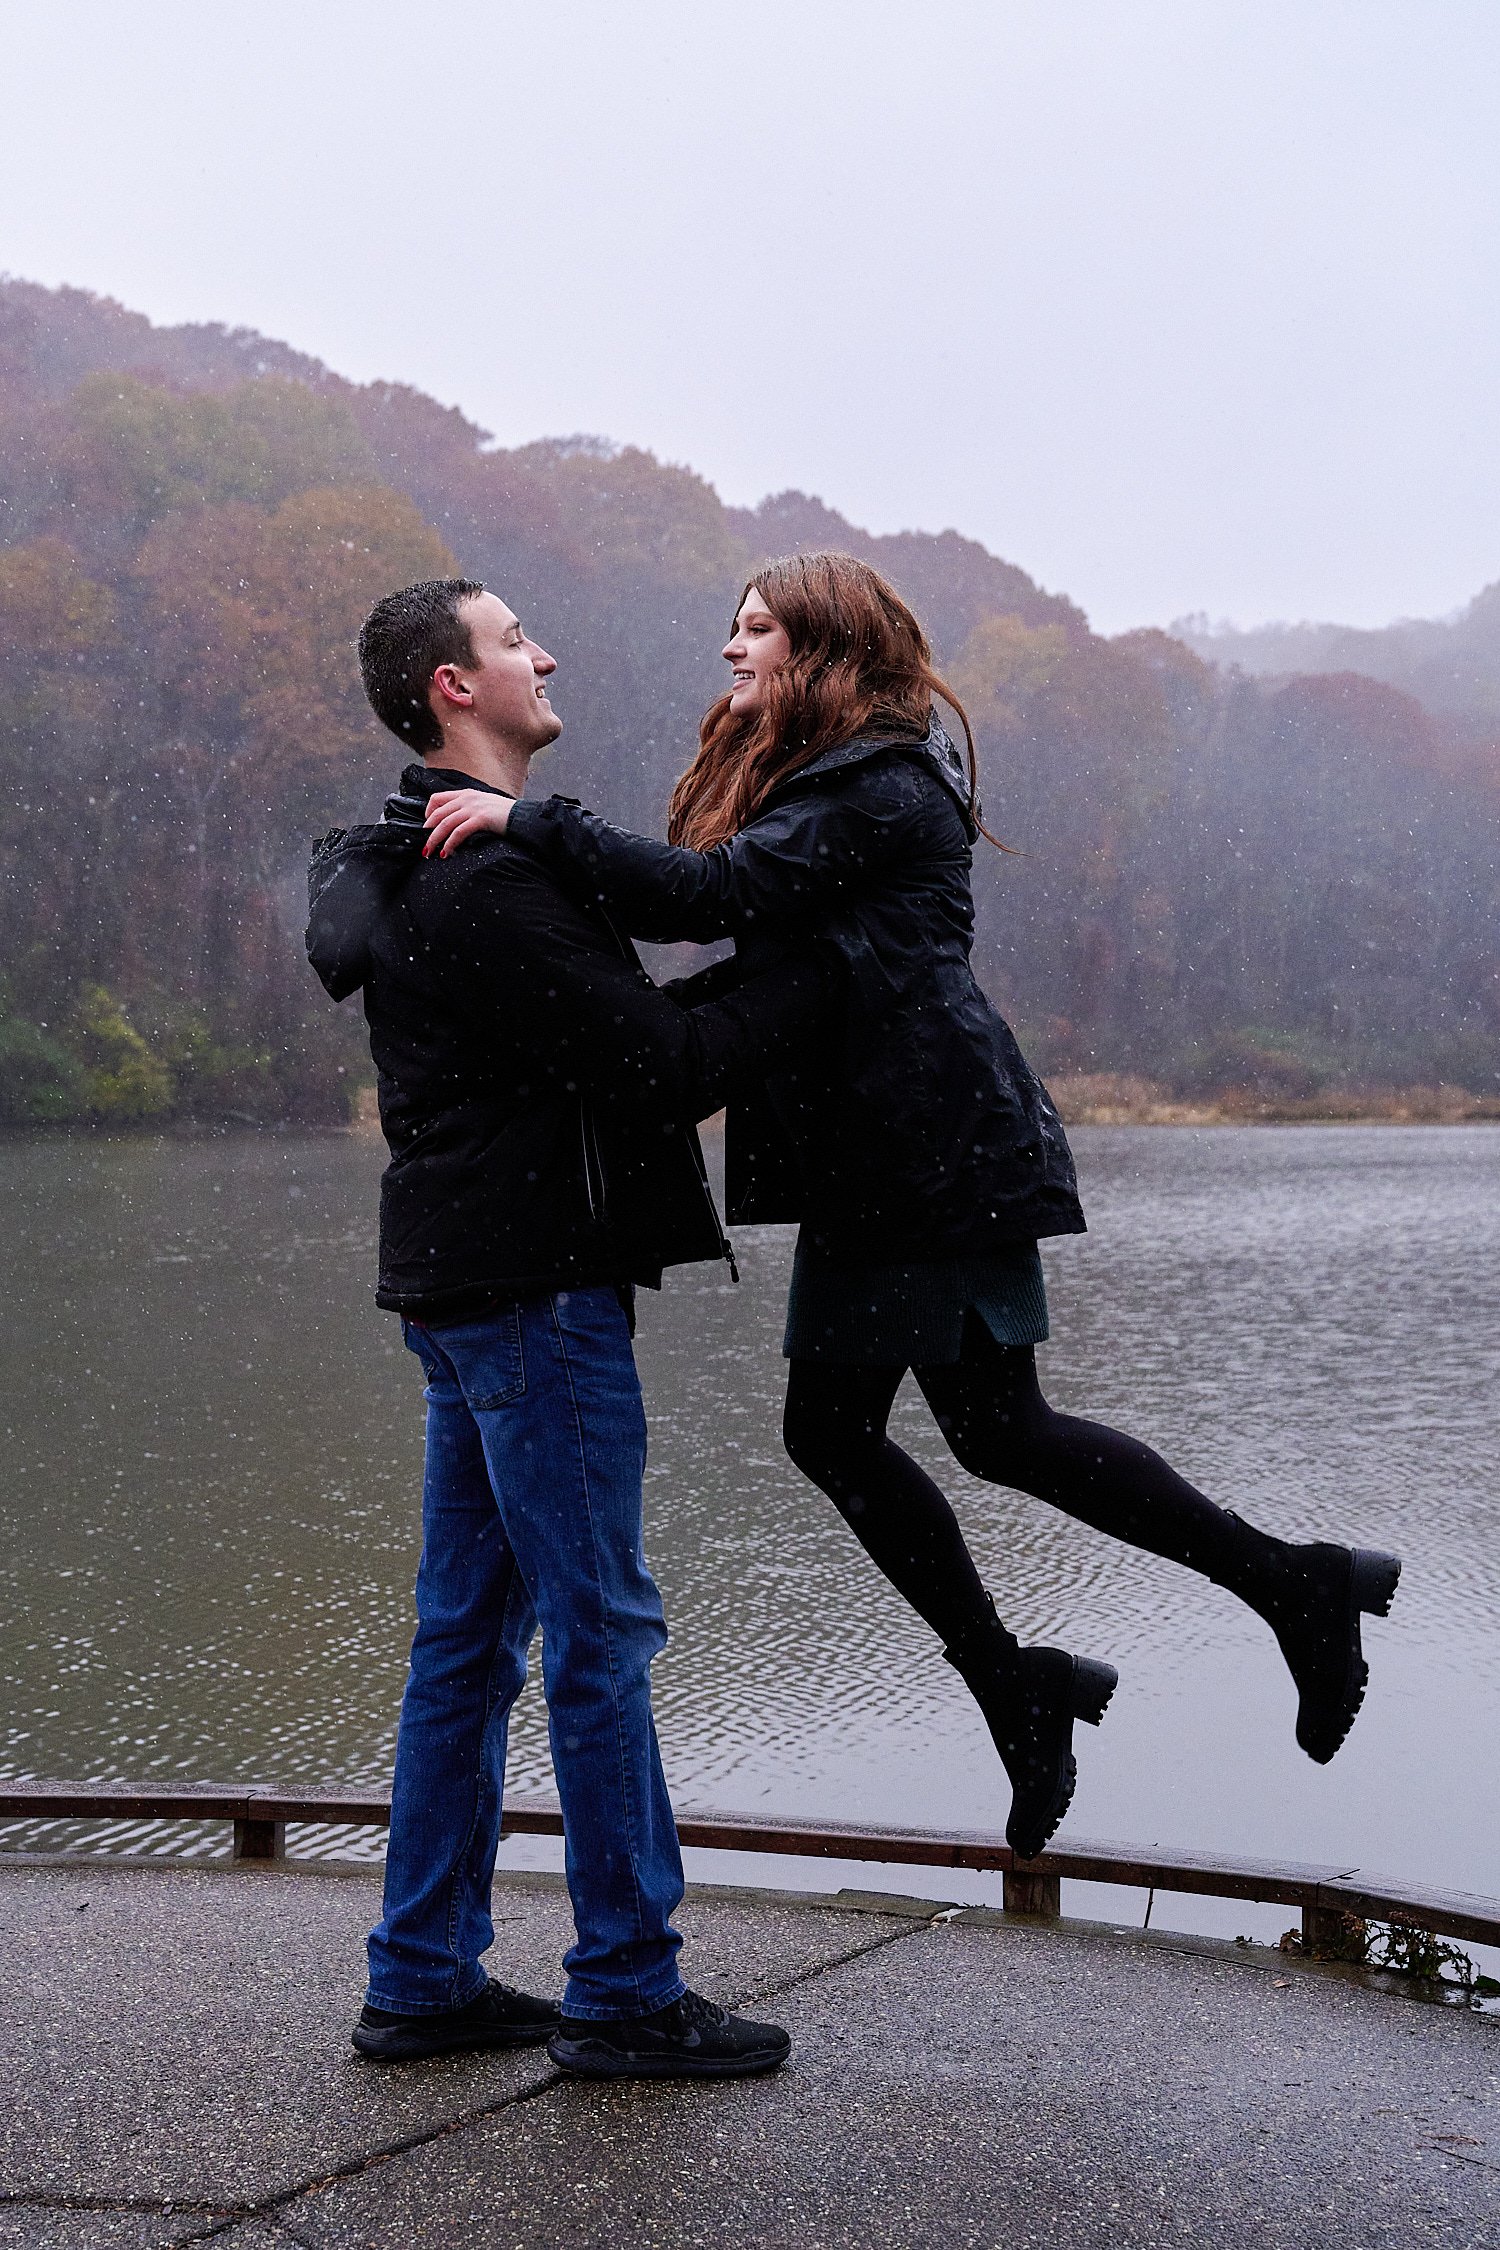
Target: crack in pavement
x,y
903,1929
238,2213
226,2218
270,2223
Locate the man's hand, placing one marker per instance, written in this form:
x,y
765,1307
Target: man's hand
x,y
456,814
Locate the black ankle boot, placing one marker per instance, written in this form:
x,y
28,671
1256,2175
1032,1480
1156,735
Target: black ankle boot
x,y
1030,1698
1313,1597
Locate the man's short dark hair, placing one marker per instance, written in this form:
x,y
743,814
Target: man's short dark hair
x,y
401,644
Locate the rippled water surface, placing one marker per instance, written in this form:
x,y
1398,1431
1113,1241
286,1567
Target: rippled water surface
x,y
212,1451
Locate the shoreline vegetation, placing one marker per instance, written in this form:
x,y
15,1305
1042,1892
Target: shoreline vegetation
x,y
1105,1098
1099,1098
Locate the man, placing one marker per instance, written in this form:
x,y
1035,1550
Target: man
x,y
538,1094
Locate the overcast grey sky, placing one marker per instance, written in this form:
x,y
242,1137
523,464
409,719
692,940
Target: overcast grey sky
x,y
1181,304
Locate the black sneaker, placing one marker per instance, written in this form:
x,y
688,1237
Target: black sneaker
x,y
690,2038
498,2017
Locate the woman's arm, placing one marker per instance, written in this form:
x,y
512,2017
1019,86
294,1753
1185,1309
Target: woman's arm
x,y
788,867
570,1010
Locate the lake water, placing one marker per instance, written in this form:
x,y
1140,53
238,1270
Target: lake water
x,y
212,1455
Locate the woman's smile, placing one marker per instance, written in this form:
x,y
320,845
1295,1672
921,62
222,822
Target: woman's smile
x,y
757,628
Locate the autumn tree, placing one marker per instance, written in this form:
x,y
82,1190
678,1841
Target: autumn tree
x,y
1215,879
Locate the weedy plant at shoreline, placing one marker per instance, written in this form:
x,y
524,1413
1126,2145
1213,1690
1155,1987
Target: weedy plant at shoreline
x,y
1403,1950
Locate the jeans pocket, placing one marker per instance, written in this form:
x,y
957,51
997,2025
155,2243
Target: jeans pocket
x,y
487,1358
417,1340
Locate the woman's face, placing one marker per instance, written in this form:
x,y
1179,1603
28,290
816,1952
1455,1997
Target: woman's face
x,y
757,645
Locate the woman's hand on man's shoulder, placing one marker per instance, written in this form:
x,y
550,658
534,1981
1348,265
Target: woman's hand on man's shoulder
x,y
454,815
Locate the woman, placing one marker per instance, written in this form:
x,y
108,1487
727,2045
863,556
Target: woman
x,y
923,1157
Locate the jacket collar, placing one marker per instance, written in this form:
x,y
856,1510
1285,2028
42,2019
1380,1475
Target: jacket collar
x,y
936,748
407,806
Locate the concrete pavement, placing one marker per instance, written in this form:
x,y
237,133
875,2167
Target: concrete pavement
x,y
174,2043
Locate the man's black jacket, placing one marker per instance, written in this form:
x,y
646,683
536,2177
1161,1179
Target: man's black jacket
x,y
537,1091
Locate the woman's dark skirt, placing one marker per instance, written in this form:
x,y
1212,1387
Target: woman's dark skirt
x,y
912,1315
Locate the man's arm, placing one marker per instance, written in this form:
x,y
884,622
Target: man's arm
x,y
786,870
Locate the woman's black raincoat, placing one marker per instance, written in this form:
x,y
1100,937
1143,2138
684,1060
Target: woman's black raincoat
x,y
924,1133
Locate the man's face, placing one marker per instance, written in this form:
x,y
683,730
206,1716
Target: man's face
x,y
505,686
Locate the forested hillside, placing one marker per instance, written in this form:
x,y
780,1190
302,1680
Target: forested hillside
x,y
1216,882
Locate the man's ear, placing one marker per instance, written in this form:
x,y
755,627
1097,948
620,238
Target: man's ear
x,y
449,682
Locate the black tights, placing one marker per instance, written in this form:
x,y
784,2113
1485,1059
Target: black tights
x,y
990,1408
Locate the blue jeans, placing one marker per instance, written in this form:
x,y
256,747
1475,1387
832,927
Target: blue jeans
x,y
531,1513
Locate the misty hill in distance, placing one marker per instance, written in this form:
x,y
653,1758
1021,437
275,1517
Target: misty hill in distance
x,y
1269,892
1451,664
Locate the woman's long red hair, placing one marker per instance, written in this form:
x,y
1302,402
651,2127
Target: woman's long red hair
x,y
859,664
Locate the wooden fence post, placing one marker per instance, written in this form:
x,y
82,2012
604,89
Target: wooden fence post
x,y
1032,1894
1323,1930
260,1839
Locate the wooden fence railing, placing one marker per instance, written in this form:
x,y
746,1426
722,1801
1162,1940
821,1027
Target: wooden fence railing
x,y
1322,1895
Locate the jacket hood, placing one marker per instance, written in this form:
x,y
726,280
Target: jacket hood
x,y
943,752
356,872
352,878
936,748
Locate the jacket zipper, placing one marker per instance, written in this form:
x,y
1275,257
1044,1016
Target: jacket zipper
x,y
593,1168
726,1247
